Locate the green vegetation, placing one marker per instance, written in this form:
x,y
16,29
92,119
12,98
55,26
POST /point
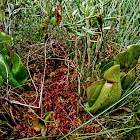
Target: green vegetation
x,y
105,92
109,90
69,55
12,68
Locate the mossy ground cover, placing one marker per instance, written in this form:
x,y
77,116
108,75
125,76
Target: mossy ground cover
x,y
63,57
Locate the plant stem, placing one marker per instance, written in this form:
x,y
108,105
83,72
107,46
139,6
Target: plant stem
x,y
88,42
76,48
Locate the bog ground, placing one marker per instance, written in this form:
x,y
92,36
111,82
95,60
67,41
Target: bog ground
x,y
69,69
